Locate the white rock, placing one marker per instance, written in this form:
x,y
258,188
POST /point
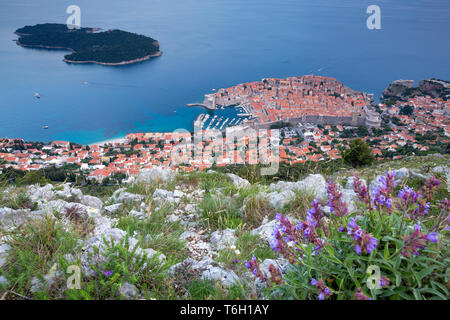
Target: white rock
x,y
58,206
77,193
440,169
35,192
65,193
187,234
223,239
314,183
113,208
138,214
172,218
419,175
49,280
238,182
4,248
11,219
128,291
402,174
3,282
281,264
349,197
150,253
191,264
164,196
155,175
178,194
227,277
123,196
265,231
278,200
92,202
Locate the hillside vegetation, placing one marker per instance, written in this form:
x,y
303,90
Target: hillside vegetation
x,y
324,234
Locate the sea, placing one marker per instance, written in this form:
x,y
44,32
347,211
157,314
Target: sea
x,y
207,45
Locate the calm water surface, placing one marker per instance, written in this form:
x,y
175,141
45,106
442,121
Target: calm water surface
x,y
207,44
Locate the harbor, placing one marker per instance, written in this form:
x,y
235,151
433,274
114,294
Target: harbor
x,y
221,120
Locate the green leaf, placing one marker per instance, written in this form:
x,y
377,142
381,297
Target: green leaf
x,y
386,250
417,277
441,286
425,272
435,292
404,295
417,294
330,250
398,279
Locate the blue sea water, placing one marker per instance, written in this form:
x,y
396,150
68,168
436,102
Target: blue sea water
x,y
207,44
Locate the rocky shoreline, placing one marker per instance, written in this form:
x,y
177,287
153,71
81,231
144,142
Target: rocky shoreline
x,y
122,63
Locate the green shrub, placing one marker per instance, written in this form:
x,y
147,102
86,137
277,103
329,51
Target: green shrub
x,y
359,154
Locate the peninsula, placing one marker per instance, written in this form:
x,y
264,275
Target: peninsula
x,y
305,99
88,45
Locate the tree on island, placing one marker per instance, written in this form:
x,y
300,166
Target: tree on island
x,y
359,154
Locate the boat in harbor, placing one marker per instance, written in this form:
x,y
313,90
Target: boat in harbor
x,y
223,124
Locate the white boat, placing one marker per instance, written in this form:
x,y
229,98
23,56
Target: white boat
x,y
44,127
37,95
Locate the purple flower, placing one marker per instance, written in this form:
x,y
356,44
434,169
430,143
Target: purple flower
x,y
108,273
411,203
361,191
417,241
315,213
382,193
361,296
337,206
432,237
445,207
430,187
363,241
323,289
384,282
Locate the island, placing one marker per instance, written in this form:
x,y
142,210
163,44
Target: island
x,y
89,45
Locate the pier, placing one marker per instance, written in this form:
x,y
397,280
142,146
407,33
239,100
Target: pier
x,y
209,102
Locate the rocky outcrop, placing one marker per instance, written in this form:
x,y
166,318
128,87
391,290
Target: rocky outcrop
x,y
238,182
155,175
92,202
223,239
227,277
404,89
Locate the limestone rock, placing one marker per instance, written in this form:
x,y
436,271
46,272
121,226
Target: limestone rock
x,y
128,290
223,239
238,182
92,202
155,175
227,277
